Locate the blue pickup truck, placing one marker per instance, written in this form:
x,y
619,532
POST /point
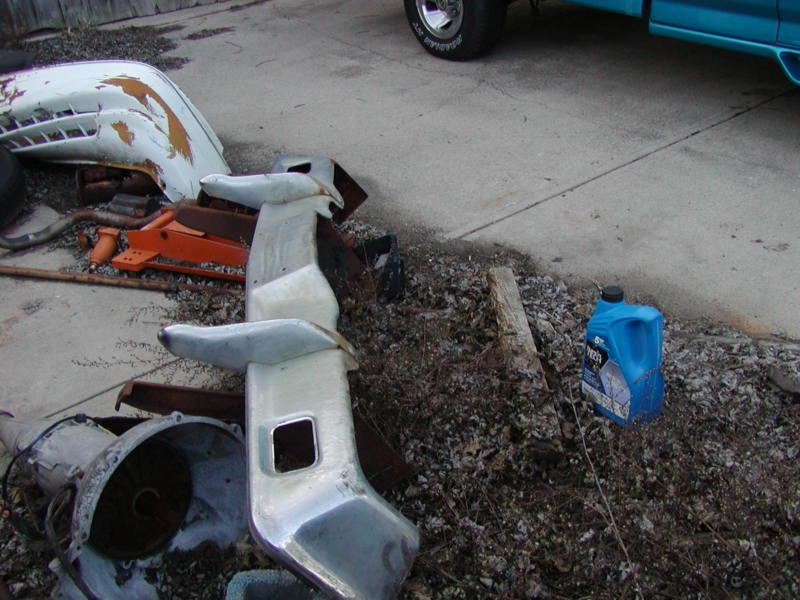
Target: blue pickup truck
x,y
462,29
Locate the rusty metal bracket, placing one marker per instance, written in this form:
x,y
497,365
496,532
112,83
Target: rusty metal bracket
x,y
332,174
229,225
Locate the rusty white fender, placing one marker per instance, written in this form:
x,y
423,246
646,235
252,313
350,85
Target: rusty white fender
x,y
322,520
114,113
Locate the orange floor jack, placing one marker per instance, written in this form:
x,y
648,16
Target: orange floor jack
x,y
211,231
165,243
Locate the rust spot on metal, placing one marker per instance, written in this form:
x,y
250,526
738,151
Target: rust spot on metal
x,y
153,167
7,92
124,133
148,167
179,139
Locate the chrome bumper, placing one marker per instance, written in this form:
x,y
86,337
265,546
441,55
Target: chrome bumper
x,y
322,520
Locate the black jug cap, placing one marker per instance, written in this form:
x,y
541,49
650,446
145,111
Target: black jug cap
x,y
612,293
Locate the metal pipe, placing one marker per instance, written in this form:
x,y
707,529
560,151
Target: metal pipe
x,y
52,231
139,284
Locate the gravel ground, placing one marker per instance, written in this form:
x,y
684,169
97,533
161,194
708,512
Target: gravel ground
x,y
143,44
704,502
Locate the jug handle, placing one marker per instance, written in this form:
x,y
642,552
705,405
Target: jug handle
x,y
656,331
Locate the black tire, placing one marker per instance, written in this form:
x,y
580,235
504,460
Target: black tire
x,y
481,26
12,188
14,60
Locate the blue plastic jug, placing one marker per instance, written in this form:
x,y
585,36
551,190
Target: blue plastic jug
x,y
622,359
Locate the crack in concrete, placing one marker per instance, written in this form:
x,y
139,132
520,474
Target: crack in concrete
x,y
563,192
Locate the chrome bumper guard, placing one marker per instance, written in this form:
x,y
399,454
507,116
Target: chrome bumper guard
x,y
322,519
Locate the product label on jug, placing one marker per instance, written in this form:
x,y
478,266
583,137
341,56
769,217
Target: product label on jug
x,y
603,381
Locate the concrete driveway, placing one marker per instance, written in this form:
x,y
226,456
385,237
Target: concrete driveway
x,y
604,152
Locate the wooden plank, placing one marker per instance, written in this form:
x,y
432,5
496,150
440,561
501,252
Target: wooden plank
x,y
6,21
85,13
23,16
515,333
30,15
143,8
520,349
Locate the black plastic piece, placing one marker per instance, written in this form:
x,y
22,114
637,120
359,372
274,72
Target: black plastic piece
x,y
612,293
383,256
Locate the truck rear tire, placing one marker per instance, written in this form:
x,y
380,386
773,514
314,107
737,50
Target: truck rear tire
x,y
456,29
12,188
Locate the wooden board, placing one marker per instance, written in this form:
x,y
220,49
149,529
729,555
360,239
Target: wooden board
x,y
19,17
520,349
515,333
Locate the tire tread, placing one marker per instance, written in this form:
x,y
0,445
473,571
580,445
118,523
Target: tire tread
x,y
12,188
481,29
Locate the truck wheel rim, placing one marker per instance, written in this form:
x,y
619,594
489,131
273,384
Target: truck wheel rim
x,y
441,18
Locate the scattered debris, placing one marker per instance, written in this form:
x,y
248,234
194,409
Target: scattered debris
x,y
704,500
433,381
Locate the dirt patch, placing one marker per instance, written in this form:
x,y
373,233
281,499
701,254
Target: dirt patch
x,y
207,33
204,573
143,44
